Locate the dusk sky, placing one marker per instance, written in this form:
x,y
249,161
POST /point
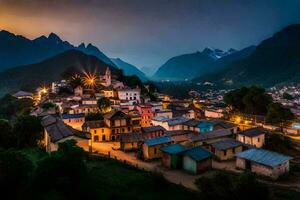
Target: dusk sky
x,y
147,33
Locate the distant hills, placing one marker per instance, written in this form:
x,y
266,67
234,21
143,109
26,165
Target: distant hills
x,y
17,50
275,60
189,66
28,77
129,69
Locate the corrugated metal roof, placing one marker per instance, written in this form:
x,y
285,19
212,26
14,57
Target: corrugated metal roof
x,y
197,153
253,132
264,157
158,140
212,135
173,149
226,144
150,129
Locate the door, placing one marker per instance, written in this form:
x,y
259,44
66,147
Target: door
x,y
248,164
103,137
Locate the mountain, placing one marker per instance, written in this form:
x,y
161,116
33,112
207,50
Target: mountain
x,y
28,77
224,61
189,66
129,69
275,60
17,50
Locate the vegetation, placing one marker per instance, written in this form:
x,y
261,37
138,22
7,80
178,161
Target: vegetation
x,y
252,100
11,107
48,105
277,114
224,186
287,96
104,104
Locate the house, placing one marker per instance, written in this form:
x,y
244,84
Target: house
x,y
152,131
205,126
146,114
213,113
23,95
56,131
109,92
131,141
135,120
151,147
119,123
89,101
171,157
197,160
254,137
131,95
156,106
86,109
221,124
99,131
105,79
167,113
175,123
226,149
78,91
207,138
263,162
74,120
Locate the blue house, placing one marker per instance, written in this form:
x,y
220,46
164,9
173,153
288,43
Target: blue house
x,y
205,126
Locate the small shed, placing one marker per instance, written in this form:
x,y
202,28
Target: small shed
x,y
171,157
197,160
226,149
151,147
263,162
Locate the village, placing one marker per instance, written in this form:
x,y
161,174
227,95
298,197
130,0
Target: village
x,y
180,138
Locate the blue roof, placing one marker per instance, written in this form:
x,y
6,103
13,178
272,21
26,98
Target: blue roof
x,y
157,140
69,116
173,149
197,153
264,157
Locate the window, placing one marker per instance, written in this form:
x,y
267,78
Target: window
x,y
225,153
103,130
258,139
95,131
155,151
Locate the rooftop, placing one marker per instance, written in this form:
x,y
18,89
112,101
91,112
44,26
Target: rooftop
x,y
173,149
253,132
226,144
197,153
264,157
212,135
150,129
72,116
158,140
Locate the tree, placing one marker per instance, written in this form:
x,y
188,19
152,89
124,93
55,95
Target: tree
x,y
277,114
252,100
28,130
104,105
15,170
48,105
76,81
11,107
7,138
287,96
63,172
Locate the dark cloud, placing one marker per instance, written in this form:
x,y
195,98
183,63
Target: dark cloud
x,y
147,33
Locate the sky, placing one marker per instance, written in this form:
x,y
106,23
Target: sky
x,y
148,33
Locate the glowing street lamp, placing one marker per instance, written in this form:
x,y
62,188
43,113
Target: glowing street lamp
x,y
89,80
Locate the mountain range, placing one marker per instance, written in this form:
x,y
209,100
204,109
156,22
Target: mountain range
x,y
275,60
189,66
17,50
129,69
29,77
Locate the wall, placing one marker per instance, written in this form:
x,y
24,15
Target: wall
x,y
229,153
189,164
258,141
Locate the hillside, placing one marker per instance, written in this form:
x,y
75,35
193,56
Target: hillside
x,y
31,76
189,66
17,50
129,69
275,60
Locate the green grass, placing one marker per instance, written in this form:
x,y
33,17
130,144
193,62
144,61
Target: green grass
x,y
113,179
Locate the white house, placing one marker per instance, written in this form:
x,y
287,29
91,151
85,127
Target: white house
x,y
129,94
